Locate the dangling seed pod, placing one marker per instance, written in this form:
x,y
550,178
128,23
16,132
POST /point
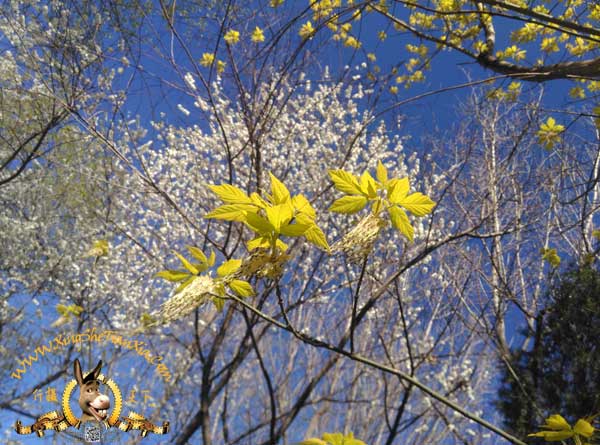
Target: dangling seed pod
x,y
358,243
198,292
263,263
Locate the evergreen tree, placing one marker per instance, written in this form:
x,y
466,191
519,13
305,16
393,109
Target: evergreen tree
x,y
560,373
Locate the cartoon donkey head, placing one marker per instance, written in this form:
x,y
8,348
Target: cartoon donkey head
x,y
94,405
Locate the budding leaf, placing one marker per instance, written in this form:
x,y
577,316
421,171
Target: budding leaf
x,y
556,422
417,203
583,428
303,206
398,189
349,204
400,221
241,288
553,258
340,439
316,236
229,267
294,229
98,249
553,436
368,185
211,259
345,182
259,224
230,194
258,201
231,212
279,191
559,429
381,173
198,254
279,215
173,276
260,242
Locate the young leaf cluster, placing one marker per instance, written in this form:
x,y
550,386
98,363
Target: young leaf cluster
x,y
391,195
99,248
270,217
557,429
550,255
549,133
67,314
226,275
333,439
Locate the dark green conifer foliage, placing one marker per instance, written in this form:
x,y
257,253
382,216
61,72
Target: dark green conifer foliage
x,y
560,374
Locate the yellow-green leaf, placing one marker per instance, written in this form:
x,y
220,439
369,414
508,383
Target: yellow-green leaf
x,y
200,266
302,205
211,258
230,194
381,173
340,439
257,199
316,236
229,267
185,284
279,192
62,309
173,275
368,185
75,309
189,266
259,224
553,436
303,218
556,422
417,203
349,204
583,428
345,182
400,221
281,245
260,242
231,212
99,248
553,258
294,229
198,254
279,215
219,303
334,438
398,189
549,133
241,288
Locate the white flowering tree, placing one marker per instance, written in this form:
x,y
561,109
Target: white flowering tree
x,y
302,295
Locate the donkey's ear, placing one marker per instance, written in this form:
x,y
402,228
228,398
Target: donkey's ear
x,y
77,372
96,371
